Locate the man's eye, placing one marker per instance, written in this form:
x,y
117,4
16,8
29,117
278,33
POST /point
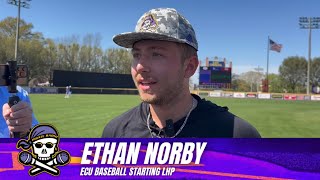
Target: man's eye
x,y
136,55
156,54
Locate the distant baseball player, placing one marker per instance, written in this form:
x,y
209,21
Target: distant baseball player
x,y
68,92
164,49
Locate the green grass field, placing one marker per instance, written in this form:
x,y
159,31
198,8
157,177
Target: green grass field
x,y
86,115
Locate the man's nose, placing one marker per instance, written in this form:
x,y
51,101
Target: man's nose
x,y
143,64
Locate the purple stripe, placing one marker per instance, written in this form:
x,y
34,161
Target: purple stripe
x,y
277,158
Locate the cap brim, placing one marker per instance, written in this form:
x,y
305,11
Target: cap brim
x,y
128,39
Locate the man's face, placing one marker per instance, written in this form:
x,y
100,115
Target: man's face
x,y
157,71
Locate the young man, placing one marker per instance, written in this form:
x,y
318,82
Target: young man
x,y
18,118
164,49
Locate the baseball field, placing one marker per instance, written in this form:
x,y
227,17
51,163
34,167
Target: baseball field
x,y
86,115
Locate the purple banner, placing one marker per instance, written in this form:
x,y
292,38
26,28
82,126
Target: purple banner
x,y
172,158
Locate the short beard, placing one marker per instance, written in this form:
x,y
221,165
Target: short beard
x,y
156,101
167,97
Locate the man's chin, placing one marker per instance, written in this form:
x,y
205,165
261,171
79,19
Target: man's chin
x,y
149,98
147,93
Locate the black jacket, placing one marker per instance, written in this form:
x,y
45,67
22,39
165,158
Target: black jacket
x,y
207,120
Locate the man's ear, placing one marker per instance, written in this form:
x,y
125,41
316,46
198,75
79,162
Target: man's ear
x,y
191,66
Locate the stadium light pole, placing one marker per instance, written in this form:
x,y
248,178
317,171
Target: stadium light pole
x,y
309,23
24,4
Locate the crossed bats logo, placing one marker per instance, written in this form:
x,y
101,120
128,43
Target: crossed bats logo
x,y
45,153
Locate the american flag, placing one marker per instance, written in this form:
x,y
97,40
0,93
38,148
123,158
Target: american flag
x,y
274,46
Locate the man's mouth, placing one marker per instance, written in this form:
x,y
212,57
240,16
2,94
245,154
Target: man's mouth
x,y
146,84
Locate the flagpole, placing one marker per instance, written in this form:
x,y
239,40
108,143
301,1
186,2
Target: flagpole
x,y
267,78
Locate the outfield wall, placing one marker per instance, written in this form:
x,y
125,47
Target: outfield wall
x,y
217,94
80,90
90,79
255,95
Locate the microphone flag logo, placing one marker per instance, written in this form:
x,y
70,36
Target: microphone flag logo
x,y
41,151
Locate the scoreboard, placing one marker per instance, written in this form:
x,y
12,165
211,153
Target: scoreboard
x,y
213,75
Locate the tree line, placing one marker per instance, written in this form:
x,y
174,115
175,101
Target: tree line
x,y
42,55
292,77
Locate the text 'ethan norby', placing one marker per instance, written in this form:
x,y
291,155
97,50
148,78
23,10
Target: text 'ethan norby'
x,y
156,153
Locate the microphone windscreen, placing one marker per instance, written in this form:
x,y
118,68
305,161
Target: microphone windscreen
x,y
152,123
25,158
169,129
63,157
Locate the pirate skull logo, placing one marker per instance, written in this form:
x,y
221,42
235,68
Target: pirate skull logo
x,y
149,24
45,155
44,148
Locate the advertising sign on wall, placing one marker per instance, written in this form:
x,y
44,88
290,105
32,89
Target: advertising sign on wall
x,y
239,95
290,97
228,94
215,94
251,95
315,97
277,96
264,96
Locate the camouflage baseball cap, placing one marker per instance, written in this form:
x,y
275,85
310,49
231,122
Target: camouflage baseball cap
x,y
164,24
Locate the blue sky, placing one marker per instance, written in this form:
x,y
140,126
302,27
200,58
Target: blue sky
x,y
233,29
